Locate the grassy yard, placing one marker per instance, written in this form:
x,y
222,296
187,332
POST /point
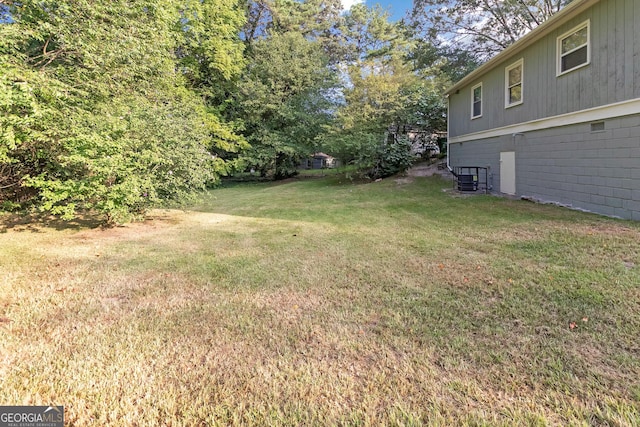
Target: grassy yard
x,y
324,302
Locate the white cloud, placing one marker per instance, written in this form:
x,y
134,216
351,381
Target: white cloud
x,y
347,4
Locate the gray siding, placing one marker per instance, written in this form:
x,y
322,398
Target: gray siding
x,y
612,76
594,171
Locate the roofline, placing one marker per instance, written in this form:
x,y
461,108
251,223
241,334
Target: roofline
x,y
569,12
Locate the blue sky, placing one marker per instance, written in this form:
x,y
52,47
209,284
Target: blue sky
x,y
397,8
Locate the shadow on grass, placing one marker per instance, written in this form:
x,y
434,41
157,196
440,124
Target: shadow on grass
x,y
37,223
342,174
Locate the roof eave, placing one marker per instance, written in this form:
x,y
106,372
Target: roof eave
x,y
569,12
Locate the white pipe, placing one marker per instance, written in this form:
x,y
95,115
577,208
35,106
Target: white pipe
x,y
516,134
448,127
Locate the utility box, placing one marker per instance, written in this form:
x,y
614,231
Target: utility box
x,y
467,182
471,178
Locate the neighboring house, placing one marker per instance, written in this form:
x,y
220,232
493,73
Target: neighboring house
x,y
556,116
319,161
423,143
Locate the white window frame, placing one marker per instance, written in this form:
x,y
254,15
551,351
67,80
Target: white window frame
x,y
507,98
559,55
473,89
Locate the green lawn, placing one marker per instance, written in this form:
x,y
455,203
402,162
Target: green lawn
x,y
325,302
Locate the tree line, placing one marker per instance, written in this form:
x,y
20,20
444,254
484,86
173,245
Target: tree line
x,y
115,107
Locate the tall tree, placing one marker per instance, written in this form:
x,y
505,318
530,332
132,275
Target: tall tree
x,y
379,85
316,20
483,26
438,67
211,58
97,112
378,70
259,18
282,98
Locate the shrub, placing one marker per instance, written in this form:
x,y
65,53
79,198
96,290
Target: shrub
x,y
386,159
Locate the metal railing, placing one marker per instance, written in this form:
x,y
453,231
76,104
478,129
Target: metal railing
x,y
471,178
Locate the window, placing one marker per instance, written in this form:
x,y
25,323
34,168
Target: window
x,y
476,101
573,49
513,84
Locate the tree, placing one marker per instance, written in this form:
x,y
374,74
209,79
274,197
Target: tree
x,y
315,20
378,95
282,98
211,56
100,108
483,26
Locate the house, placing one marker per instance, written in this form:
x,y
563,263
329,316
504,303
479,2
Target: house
x,y
556,116
319,161
424,141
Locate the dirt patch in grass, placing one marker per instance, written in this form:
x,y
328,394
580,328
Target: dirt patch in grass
x,y
422,170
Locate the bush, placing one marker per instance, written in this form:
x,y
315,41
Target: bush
x,y
96,113
387,159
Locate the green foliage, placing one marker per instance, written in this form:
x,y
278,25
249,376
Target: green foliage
x,y
98,105
315,20
210,52
457,63
373,156
425,106
282,102
387,159
369,35
349,146
378,96
386,91
27,142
